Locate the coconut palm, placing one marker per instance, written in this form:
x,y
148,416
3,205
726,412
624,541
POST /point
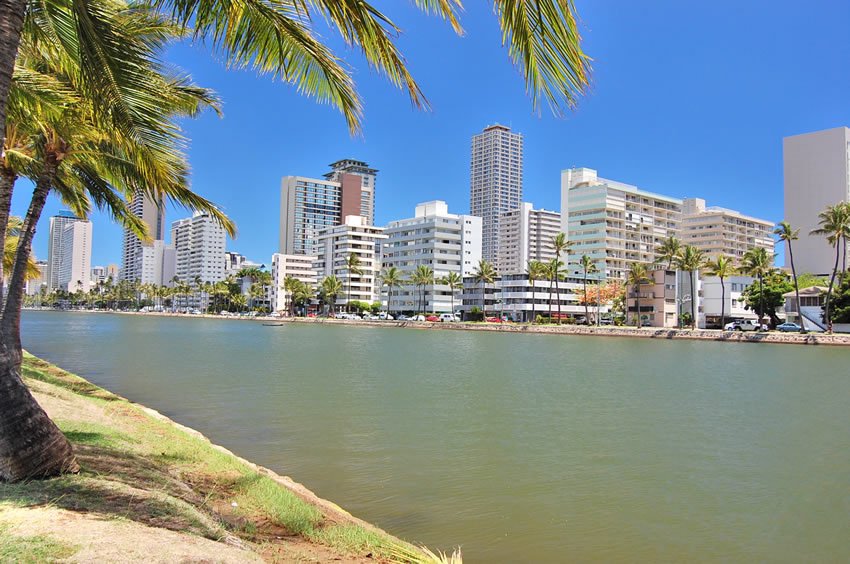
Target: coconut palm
x,y
786,234
353,267
589,267
290,286
758,262
330,289
723,268
690,259
422,277
536,271
638,274
454,281
560,245
668,250
834,224
485,273
554,272
392,277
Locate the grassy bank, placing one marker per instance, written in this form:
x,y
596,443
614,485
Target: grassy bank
x,y
152,490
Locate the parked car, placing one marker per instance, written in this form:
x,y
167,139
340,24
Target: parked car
x,y
433,318
449,318
418,318
745,325
788,327
493,320
385,315
403,317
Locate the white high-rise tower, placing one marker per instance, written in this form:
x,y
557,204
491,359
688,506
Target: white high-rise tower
x,y
134,253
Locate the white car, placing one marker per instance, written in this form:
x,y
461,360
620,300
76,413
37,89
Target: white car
x,y
417,318
745,325
449,318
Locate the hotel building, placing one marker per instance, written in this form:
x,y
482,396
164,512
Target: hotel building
x,y
526,234
333,247
719,231
199,248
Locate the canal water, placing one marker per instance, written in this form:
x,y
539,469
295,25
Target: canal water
x,y
516,447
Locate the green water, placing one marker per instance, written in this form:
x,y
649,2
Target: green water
x,y
518,447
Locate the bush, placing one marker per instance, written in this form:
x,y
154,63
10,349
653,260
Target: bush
x,y
474,315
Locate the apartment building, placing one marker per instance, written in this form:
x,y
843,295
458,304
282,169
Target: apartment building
x,y
719,231
348,171
526,234
657,299
616,224
436,238
34,285
199,248
54,247
335,244
299,267
726,299
514,296
137,259
75,257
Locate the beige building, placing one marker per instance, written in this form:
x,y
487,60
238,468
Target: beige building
x,y
335,244
299,267
526,234
817,174
615,224
719,231
658,306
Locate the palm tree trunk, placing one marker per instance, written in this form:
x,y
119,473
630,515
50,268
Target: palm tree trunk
x,y
452,290
558,297
11,24
551,286
722,304
637,306
796,287
586,306
693,300
7,184
761,299
533,302
831,284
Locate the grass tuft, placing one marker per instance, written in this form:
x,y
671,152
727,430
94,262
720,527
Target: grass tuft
x,y
31,550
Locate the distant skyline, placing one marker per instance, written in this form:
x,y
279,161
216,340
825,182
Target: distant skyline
x,y
687,100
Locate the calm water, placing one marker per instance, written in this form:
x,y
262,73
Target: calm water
x,y
517,447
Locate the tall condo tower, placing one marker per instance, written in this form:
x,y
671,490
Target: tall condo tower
x,y
54,247
199,248
356,172
133,252
817,174
495,182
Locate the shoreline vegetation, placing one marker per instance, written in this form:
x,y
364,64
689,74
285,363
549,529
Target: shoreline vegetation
x,y
152,489
773,337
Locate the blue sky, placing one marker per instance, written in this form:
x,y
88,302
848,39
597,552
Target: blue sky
x,y
688,99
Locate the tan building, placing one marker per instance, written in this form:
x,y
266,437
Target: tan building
x,y
526,234
335,244
719,231
657,300
299,267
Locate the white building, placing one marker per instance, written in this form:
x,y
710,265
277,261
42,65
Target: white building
x,y
495,181
526,234
75,256
232,263
156,263
616,224
199,248
436,238
513,296
54,247
34,286
133,262
335,244
299,267
719,231
817,174
734,307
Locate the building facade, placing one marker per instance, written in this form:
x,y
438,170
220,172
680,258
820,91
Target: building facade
x,y
299,267
495,181
54,247
719,231
75,257
133,251
445,242
514,297
731,306
34,285
355,176
657,300
199,248
526,234
816,170
615,224
335,244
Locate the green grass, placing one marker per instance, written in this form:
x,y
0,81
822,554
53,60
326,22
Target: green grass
x,y
355,540
31,550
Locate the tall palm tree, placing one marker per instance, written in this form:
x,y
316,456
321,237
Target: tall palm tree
x,y
638,274
554,272
392,277
668,250
758,262
290,286
536,271
423,277
484,274
454,281
560,245
723,268
589,267
331,288
786,234
834,224
690,259
352,267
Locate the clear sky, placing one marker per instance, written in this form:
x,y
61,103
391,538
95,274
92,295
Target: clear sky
x,y
688,99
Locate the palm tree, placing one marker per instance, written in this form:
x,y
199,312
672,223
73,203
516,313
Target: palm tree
x,y
352,265
484,274
554,272
422,277
834,224
536,271
331,288
690,259
290,286
668,250
560,245
758,262
639,274
589,267
392,277
454,281
787,234
723,268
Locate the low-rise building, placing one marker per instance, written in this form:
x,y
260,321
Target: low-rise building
x,y
713,304
335,244
812,301
658,299
299,267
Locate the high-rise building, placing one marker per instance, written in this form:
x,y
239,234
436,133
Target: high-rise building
x,y
495,181
132,256
615,224
309,205
199,248
435,238
817,174
719,231
335,244
34,285
54,247
526,234
299,267
75,257
233,263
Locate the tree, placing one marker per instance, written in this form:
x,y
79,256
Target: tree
x,y
484,274
758,263
560,245
352,266
330,289
840,312
690,259
589,267
639,274
422,277
454,282
767,294
786,234
536,271
554,272
834,224
723,268
668,250
392,277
